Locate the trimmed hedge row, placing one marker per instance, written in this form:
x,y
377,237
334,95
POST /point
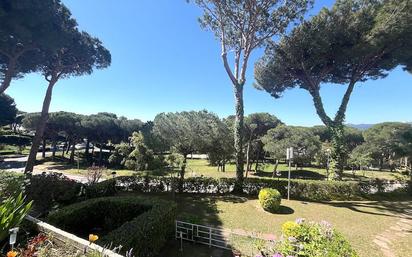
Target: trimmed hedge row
x,y
314,190
137,223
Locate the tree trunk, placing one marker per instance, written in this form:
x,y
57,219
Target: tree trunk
x,y
69,144
247,159
275,168
339,150
238,188
40,129
182,174
101,154
86,152
43,153
71,160
54,146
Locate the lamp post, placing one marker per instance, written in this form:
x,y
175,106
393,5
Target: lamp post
x,y
13,236
289,157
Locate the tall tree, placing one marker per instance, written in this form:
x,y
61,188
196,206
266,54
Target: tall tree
x,y
185,133
79,55
304,142
256,126
28,29
355,41
241,27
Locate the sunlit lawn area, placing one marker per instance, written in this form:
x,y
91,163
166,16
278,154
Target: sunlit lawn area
x,y
359,221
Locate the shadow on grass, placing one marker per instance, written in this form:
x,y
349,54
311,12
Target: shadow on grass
x,y
380,208
285,210
295,174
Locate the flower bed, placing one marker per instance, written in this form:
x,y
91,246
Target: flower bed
x,y
137,223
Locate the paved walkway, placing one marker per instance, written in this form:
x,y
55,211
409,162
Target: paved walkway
x,y
402,228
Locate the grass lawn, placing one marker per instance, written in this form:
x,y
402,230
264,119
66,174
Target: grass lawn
x,y
196,168
359,221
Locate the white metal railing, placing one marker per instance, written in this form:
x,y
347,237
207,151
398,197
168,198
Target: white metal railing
x,y
202,234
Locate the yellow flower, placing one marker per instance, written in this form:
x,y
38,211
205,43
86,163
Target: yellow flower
x,y
93,238
12,254
290,228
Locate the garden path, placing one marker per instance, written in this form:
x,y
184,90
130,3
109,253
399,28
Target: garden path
x,y
402,228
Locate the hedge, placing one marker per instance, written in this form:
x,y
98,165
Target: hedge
x,y
17,140
137,223
312,190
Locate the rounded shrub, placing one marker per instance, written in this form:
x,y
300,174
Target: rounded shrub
x,y
269,199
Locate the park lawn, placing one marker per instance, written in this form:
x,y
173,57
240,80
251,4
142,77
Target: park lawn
x,y
359,221
197,167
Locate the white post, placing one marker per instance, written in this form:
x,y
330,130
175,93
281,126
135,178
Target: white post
x,y
289,157
289,180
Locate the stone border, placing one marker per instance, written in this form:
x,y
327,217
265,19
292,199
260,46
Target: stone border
x,y
66,237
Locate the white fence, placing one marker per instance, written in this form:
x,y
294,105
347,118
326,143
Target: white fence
x,y
202,234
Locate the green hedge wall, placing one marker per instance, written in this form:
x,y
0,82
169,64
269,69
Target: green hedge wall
x,y
133,222
311,190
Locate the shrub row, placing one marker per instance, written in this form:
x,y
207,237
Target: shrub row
x,y
137,223
17,140
314,190
55,190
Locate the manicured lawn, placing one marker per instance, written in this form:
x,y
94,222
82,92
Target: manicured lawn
x,y
360,221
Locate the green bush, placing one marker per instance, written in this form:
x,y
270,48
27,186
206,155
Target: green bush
x,y
312,239
17,140
52,190
101,189
10,183
134,222
270,199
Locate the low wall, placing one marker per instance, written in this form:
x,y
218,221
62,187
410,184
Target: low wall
x,y
65,237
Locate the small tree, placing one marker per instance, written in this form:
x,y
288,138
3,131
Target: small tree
x,y
355,41
241,27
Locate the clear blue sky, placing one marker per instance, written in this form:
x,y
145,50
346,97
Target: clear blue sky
x,y
163,62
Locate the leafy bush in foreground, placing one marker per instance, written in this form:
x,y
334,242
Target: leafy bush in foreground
x,y
270,199
12,212
312,239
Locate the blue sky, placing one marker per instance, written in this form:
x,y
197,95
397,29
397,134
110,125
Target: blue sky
x,y
163,61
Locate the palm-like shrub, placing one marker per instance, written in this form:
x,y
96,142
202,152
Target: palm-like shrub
x,y
269,199
12,212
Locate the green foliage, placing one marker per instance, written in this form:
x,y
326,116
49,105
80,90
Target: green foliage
x,y
12,212
305,144
8,110
312,190
10,184
312,239
270,199
51,190
134,222
104,188
352,42
16,140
